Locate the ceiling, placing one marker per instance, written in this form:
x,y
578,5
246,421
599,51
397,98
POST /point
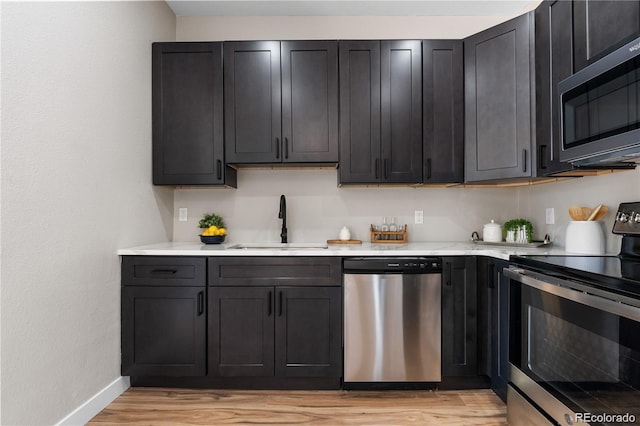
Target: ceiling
x,y
351,8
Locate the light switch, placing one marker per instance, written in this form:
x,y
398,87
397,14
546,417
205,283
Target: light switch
x,y
182,214
550,216
418,217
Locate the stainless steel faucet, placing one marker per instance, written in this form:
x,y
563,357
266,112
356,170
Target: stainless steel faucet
x,y
283,215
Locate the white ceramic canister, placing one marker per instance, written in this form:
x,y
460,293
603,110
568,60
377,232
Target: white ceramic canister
x,y
344,234
492,232
584,237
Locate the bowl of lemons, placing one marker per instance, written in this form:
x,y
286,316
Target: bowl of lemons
x,y
213,229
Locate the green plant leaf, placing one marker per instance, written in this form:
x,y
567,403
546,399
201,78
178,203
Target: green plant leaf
x,y
211,219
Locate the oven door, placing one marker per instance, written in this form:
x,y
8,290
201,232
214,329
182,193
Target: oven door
x,y
575,355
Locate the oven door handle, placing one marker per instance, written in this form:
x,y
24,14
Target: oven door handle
x,y
578,296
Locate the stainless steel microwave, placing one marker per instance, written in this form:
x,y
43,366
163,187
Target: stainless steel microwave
x,y
600,110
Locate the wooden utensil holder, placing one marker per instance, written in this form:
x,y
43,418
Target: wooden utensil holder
x,y
389,237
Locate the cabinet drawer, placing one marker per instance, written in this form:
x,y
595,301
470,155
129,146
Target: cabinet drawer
x,y
257,271
163,271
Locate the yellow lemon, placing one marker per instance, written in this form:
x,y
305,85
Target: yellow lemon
x,y
223,231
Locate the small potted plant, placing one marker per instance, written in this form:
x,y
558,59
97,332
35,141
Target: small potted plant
x,y
518,231
213,229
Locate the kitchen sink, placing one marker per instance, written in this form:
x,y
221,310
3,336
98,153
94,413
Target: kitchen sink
x,y
279,246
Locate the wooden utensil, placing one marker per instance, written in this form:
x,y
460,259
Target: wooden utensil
x,y
603,211
578,213
595,212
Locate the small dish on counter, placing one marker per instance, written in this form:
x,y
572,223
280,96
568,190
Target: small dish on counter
x,y
212,239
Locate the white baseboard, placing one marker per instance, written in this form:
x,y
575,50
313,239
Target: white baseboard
x,y
95,404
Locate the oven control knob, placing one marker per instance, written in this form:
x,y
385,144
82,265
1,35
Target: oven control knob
x,y
622,217
568,418
636,217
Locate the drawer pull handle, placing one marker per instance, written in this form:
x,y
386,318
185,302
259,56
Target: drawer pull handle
x,y
164,271
200,303
280,303
270,304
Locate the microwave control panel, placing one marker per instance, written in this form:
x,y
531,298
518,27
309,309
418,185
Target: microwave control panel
x,y
627,220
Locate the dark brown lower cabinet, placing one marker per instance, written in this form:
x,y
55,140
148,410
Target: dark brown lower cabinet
x,y
498,285
280,330
459,316
163,331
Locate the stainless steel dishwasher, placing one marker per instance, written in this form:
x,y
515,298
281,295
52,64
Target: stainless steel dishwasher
x,y
392,319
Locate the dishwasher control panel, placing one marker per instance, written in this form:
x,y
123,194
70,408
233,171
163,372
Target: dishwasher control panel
x,y
407,265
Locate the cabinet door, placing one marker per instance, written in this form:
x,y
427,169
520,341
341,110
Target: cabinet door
x,y
188,144
443,109
459,317
241,331
498,102
308,331
602,26
401,111
163,331
310,101
252,102
554,62
499,327
360,160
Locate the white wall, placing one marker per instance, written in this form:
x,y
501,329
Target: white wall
x,y
610,190
76,187
220,28
317,208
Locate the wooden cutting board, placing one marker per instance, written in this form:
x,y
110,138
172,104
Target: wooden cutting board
x,y
344,242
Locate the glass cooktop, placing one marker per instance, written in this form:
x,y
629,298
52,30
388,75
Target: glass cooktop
x,y
612,273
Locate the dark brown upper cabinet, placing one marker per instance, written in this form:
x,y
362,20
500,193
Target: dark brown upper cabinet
x,y
554,62
188,144
560,37
443,111
599,27
281,102
498,108
380,112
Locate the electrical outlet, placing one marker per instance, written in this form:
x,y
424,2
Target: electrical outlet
x,y
182,214
418,217
550,216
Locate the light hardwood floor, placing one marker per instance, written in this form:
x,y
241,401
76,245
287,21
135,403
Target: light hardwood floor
x,y
163,406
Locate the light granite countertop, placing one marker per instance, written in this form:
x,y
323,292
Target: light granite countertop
x,y
444,248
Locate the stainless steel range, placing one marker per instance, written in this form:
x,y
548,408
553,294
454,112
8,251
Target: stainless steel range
x,y
574,334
